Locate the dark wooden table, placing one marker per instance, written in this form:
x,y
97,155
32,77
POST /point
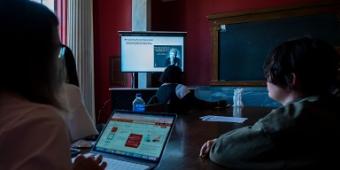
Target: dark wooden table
x,y
189,134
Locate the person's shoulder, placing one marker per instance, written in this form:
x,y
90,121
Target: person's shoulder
x,y
42,128
292,113
293,108
279,118
182,91
71,90
181,86
22,110
167,85
33,118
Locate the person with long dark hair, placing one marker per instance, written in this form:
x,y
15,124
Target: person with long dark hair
x,y
33,134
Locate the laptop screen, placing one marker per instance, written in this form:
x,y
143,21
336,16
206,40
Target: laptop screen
x,y
136,135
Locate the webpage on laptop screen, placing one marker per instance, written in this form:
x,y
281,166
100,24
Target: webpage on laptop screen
x,y
140,136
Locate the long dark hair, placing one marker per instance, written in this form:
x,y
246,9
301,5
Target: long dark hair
x,y
28,50
69,64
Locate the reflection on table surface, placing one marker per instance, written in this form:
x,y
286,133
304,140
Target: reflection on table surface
x,y
190,132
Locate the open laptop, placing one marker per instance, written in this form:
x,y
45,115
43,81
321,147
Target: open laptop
x,y
134,140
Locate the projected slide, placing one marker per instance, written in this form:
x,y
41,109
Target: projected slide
x,y
151,52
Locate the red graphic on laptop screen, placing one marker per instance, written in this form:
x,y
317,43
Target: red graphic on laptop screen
x,y
133,140
114,129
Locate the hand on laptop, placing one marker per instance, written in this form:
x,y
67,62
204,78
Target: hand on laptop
x,y
205,149
89,163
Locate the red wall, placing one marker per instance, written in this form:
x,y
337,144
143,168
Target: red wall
x,y
190,16
110,16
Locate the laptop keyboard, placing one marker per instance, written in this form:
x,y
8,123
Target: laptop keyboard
x,y
118,164
114,164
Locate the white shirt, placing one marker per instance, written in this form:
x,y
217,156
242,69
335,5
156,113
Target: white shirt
x,y
32,136
78,120
181,90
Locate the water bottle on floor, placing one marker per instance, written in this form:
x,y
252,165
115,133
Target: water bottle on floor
x,y
138,105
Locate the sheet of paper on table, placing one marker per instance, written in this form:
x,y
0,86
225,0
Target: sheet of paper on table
x,y
213,118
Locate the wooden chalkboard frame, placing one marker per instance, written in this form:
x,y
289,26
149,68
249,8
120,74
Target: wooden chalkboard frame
x,y
219,19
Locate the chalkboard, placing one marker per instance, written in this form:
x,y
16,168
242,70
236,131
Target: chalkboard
x,y
244,47
242,41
